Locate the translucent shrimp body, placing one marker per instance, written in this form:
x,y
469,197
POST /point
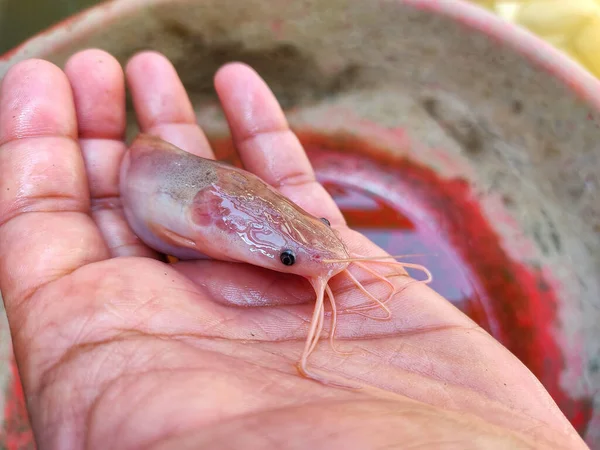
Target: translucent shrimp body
x,y
191,207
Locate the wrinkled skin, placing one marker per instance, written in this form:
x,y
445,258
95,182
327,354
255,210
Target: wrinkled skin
x,y
119,350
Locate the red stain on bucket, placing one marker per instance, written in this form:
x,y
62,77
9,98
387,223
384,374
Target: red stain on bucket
x,y
16,433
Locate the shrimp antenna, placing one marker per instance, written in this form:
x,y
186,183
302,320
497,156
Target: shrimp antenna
x,y
361,309
375,258
322,287
378,259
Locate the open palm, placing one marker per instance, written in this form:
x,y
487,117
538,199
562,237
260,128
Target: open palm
x,y
117,349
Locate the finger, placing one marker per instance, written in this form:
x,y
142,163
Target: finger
x,y
162,105
267,146
45,228
98,88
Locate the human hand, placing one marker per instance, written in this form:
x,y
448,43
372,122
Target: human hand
x,y
117,349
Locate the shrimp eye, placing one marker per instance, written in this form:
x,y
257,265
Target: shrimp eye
x,y
325,221
287,257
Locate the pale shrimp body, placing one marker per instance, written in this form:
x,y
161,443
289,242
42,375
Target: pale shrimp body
x,y
191,207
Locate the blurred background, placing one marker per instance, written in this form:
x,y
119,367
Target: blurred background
x,y
21,19
573,26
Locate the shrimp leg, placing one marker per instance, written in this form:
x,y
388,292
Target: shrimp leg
x,y
313,336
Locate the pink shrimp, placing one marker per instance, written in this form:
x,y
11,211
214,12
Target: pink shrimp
x,y
196,208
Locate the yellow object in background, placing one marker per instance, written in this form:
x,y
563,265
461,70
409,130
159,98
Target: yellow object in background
x,y
586,45
556,17
572,26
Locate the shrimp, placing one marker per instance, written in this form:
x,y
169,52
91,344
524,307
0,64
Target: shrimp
x,y
194,208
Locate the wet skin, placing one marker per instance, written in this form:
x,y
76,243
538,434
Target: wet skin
x,y
118,350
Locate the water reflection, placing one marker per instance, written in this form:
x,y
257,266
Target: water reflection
x,y
396,232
